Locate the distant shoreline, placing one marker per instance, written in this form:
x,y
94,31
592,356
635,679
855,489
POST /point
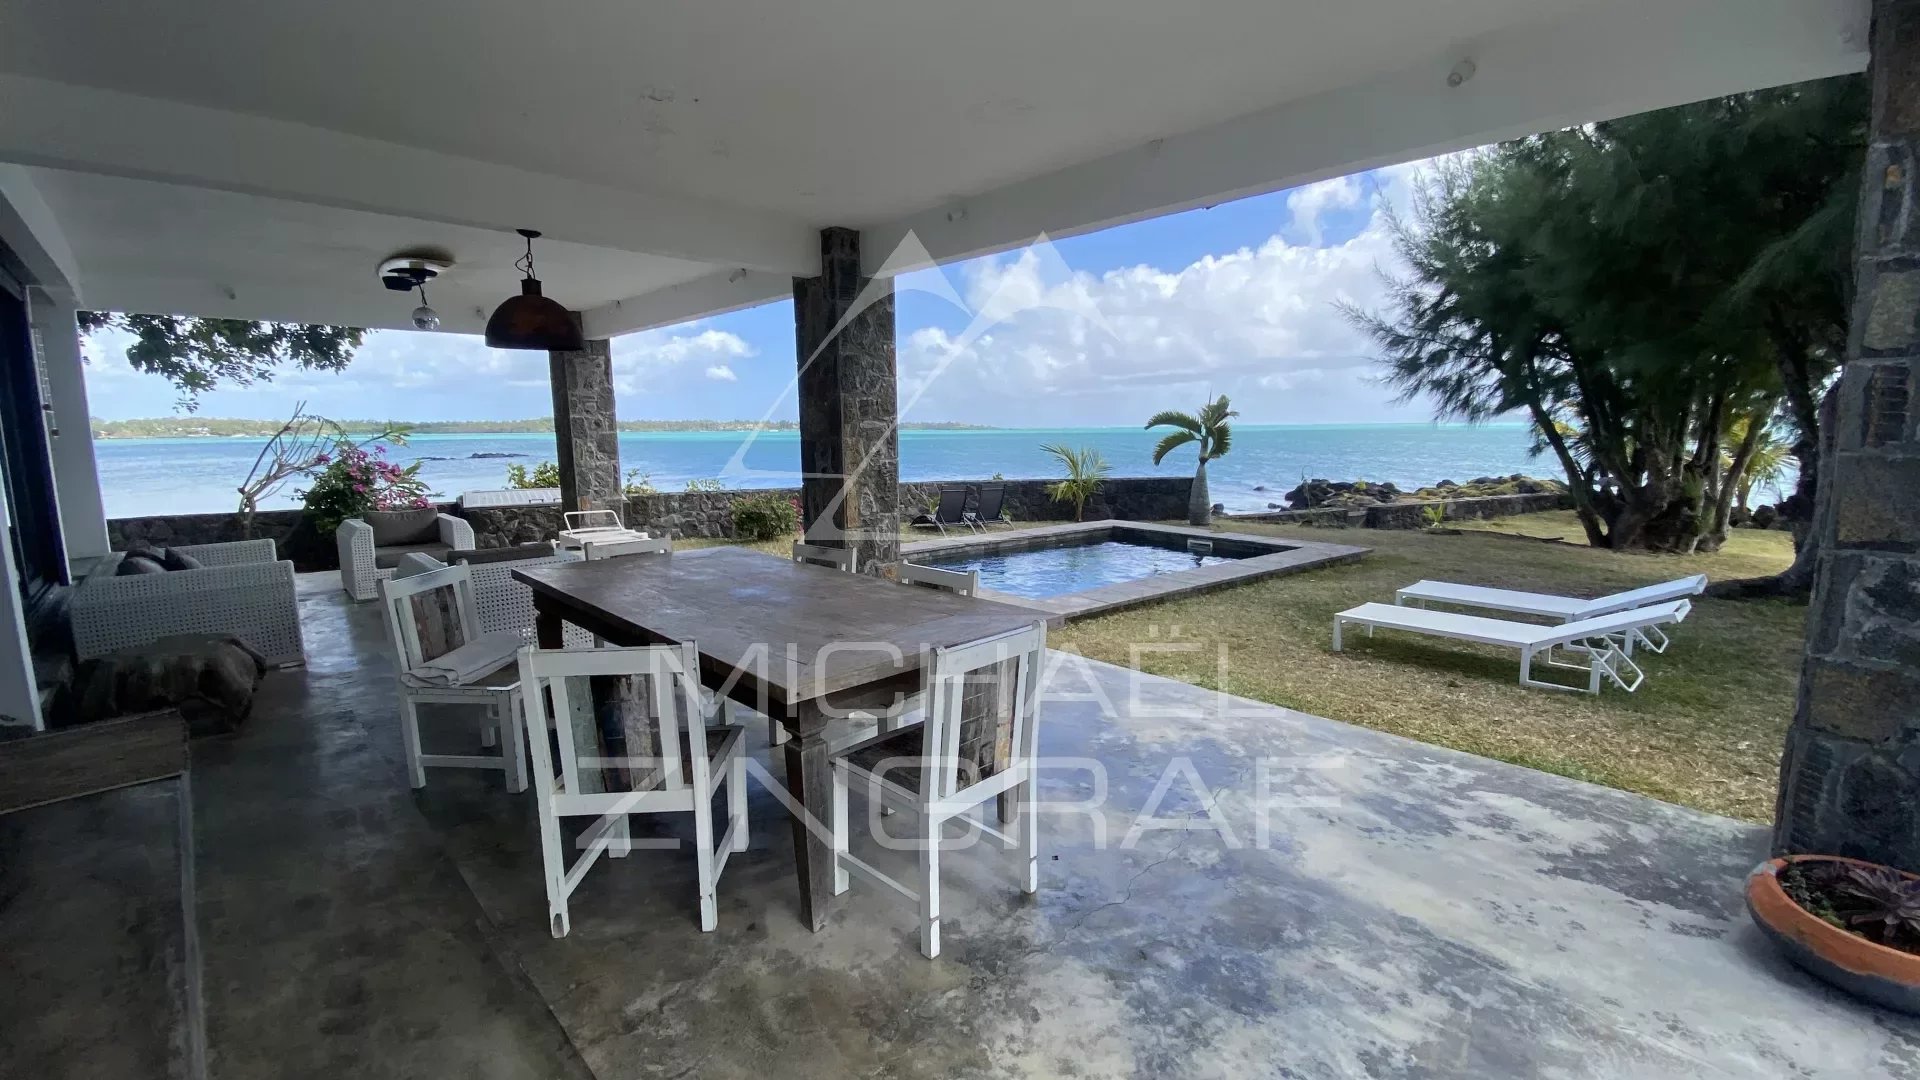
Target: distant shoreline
x,y
195,427
189,427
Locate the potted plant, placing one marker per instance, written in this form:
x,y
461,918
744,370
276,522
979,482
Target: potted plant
x,y
350,482
1853,923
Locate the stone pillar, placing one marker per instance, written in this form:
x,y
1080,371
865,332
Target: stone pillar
x,y
1850,780
584,427
849,427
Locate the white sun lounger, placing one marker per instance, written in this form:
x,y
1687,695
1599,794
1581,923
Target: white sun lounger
x,y
1595,637
1563,609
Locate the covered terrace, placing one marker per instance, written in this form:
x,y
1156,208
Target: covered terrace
x,y
1387,908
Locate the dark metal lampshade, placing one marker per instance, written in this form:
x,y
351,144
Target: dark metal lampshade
x,y
531,321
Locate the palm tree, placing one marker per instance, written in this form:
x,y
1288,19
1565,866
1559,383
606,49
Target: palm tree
x,y
1215,437
1086,470
1766,464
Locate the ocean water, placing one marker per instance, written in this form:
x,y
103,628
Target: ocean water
x,y
201,475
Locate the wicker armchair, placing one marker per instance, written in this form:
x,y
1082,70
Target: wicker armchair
x,y
363,564
241,589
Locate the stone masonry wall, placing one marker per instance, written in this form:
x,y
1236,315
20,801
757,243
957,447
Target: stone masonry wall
x,y
1850,777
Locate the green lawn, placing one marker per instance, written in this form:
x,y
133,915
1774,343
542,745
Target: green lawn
x,y
1705,730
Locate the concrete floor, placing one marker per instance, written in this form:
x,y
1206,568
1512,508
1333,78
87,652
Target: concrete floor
x,y
1406,911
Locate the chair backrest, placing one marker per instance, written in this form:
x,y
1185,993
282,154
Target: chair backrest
x,y
651,734
614,549
964,582
414,563
992,498
429,615
574,520
1646,596
821,555
503,602
952,507
983,708
1616,622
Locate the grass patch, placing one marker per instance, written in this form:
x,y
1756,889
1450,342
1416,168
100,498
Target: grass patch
x,y
1705,730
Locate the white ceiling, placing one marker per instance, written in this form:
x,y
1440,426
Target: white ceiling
x,y
234,157
849,112
272,258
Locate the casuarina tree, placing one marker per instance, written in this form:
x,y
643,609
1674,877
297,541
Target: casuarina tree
x,y
1209,429
1654,293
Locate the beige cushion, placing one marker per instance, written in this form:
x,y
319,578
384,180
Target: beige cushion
x,y
391,527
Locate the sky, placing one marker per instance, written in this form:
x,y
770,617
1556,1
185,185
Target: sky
x,y
1096,330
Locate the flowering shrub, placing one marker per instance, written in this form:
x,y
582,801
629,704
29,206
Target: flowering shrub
x,y
353,480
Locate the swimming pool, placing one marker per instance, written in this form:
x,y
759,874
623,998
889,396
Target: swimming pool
x,y
1055,571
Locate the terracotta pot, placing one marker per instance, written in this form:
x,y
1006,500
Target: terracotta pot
x,y
1877,973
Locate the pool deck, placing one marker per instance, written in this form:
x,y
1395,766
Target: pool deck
x,y
1274,557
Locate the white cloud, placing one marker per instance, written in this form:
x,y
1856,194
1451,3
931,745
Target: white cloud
x,y
722,373
1261,323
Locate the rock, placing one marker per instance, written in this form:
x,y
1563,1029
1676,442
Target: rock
x,y
1446,484
1219,508
493,454
1276,506
1259,487
1765,517
210,678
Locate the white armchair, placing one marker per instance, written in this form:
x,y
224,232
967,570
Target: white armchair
x,y
241,589
364,561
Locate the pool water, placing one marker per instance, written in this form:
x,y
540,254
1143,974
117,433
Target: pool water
x,y
1056,571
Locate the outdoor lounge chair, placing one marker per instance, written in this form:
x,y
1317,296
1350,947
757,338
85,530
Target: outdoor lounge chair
x,y
990,508
951,509
1595,638
1564,609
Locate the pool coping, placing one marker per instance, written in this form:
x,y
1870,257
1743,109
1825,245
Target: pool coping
x,y
1280,557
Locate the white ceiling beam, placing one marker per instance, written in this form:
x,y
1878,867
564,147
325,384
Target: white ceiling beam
x,y
28,227
279,301
714,294
70,127
1611,60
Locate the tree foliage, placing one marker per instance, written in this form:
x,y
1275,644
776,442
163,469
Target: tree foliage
x,y
1637,289
1086,469
1210,429
197,354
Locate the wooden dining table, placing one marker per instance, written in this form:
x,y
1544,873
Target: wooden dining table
x,y
798,642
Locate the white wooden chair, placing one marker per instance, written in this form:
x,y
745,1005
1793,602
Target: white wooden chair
x,y
614,549
945,767
441,657
832,558
671,762
963,582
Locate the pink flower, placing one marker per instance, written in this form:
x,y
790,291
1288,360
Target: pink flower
x,y
360,488
322,459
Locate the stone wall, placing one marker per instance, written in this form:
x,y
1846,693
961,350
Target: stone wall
x,y
288,529
1850,777
1412,514
709,514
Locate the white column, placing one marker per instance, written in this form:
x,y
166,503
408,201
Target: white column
x,y
83,515
19,697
